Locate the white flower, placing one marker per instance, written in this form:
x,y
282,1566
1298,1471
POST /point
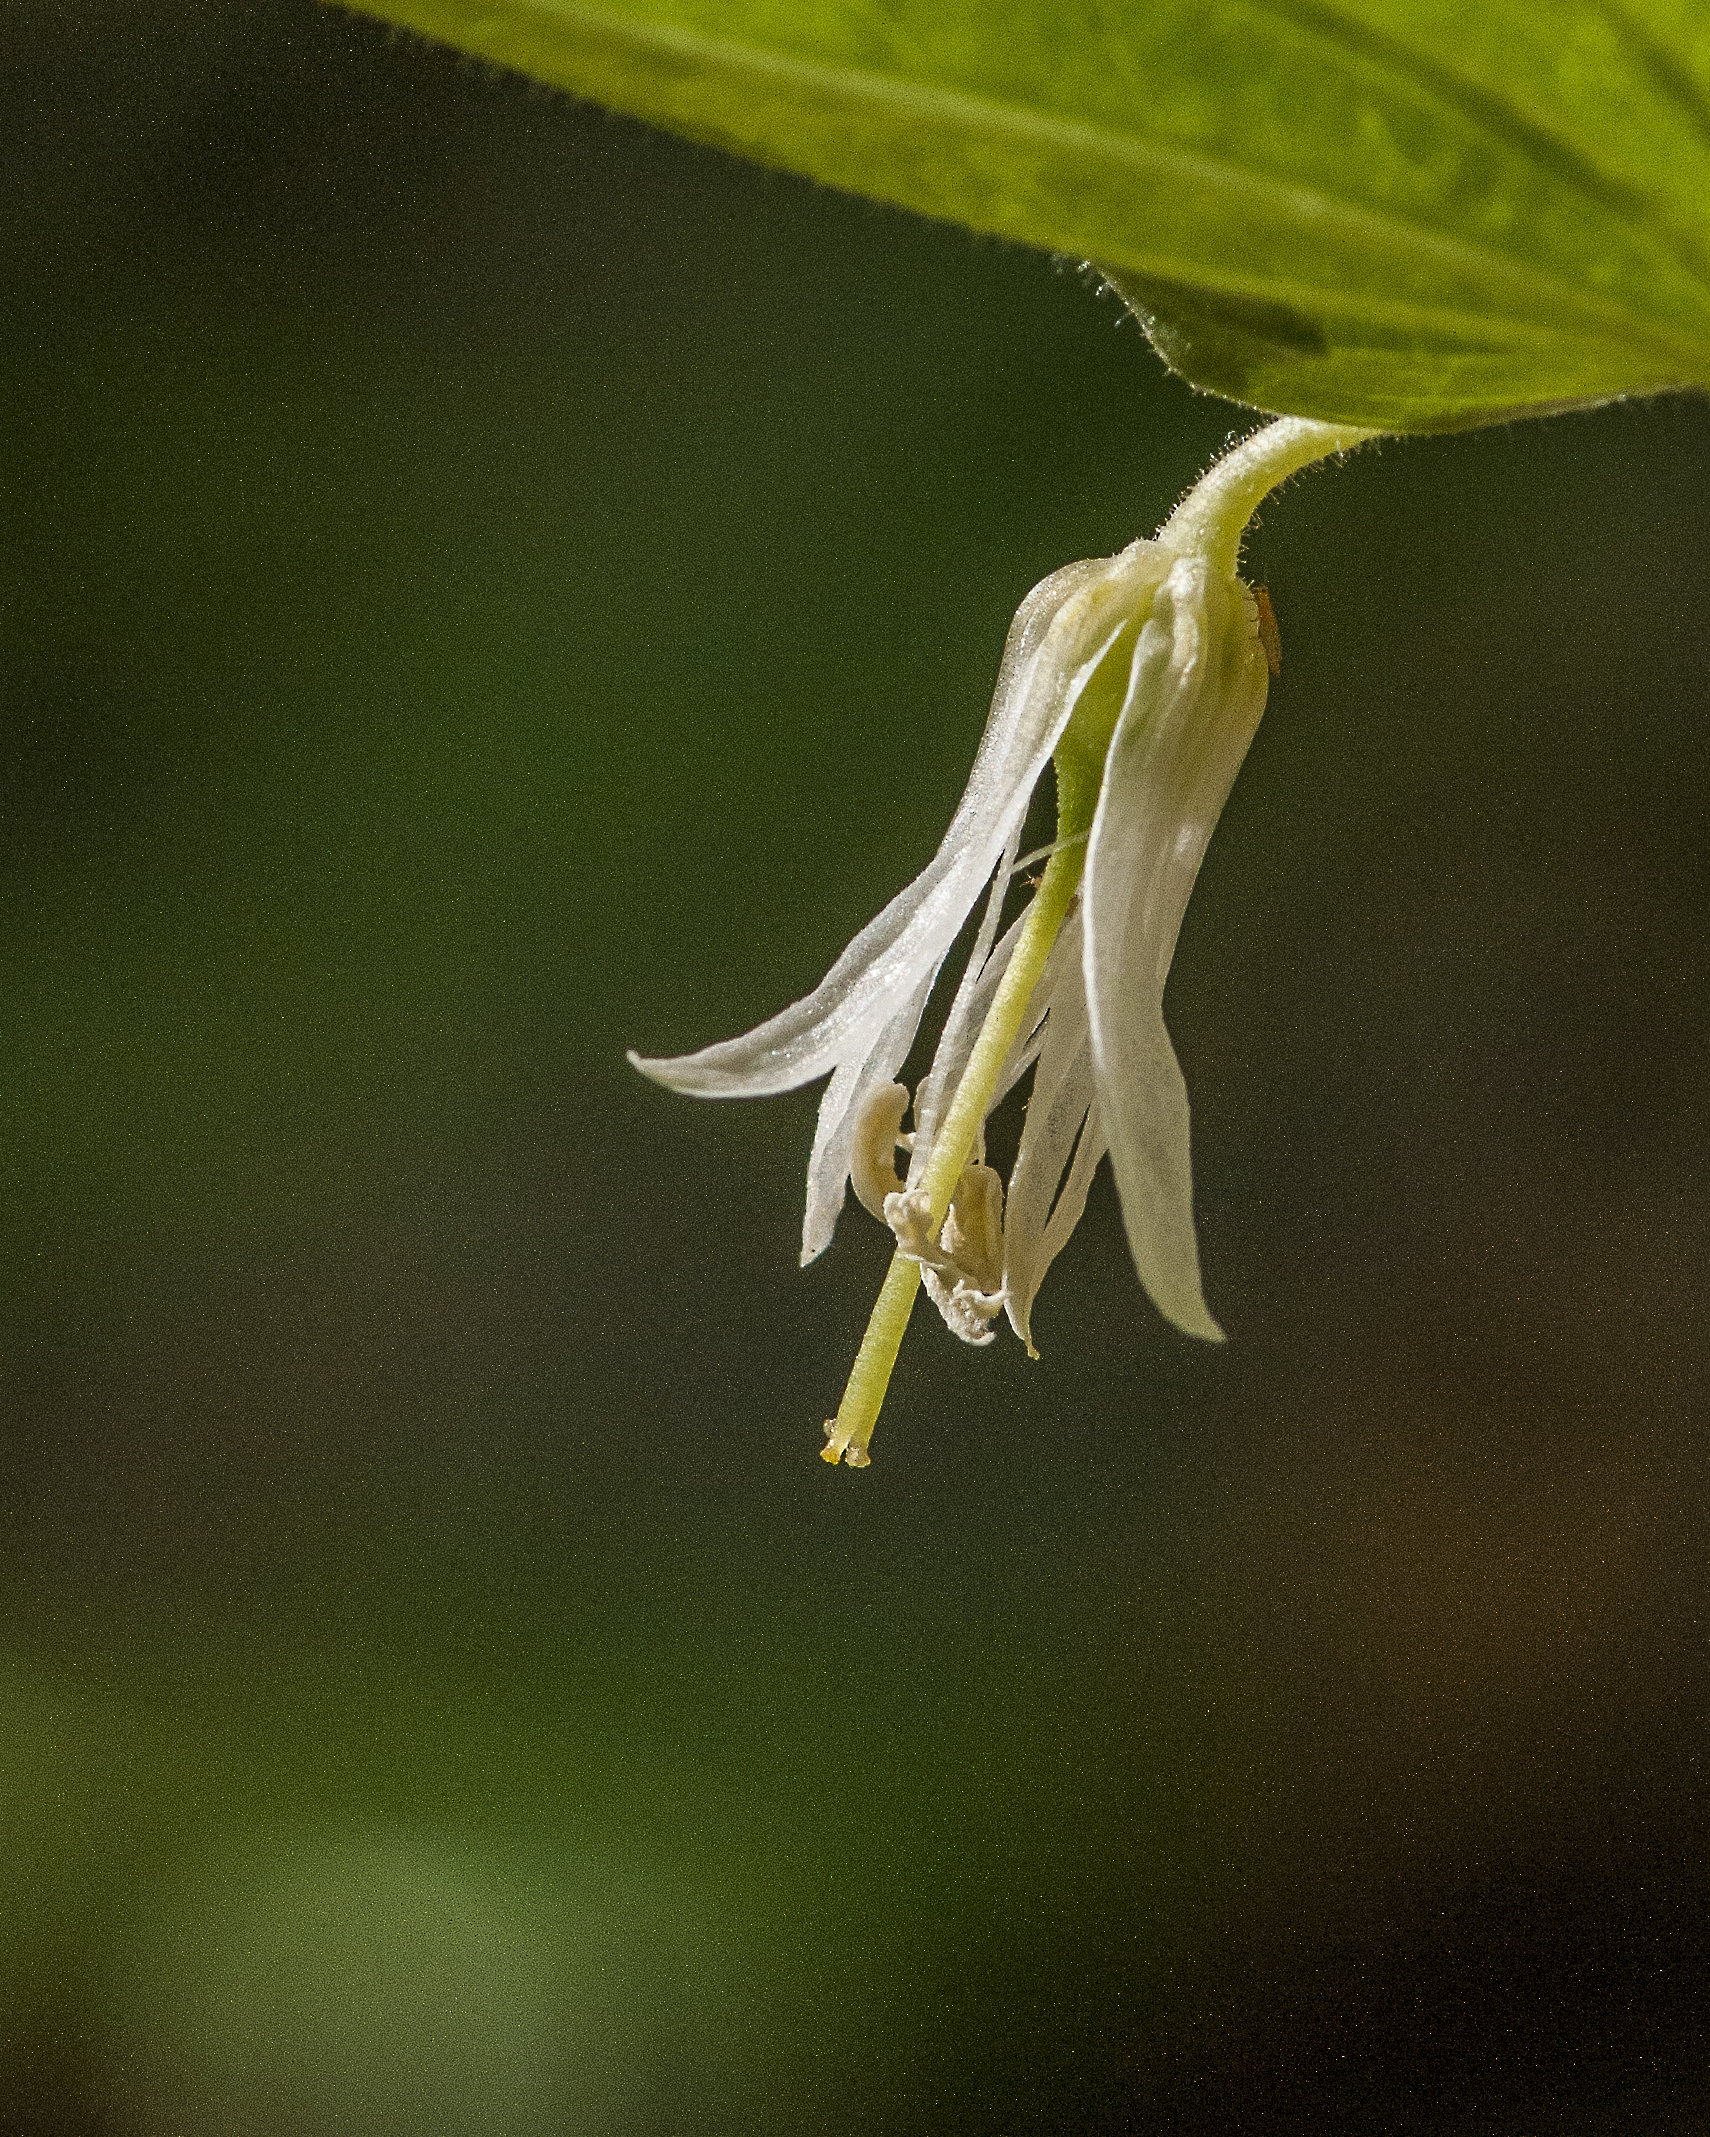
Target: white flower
x,y
1144,677
860,1021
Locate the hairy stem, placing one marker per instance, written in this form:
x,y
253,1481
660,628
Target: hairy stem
x,y
1213,516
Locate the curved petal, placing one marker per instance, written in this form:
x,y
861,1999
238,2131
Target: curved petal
x,y
1072,1202
1062,969
979,983
1039,1245
1057,1111
1193,707
1061,632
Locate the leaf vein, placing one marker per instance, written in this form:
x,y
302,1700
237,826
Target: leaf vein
x,y
1492,111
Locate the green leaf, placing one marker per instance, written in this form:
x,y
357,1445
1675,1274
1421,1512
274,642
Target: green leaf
x,y
1417,214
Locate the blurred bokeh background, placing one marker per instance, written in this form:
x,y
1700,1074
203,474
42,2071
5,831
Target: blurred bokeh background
x,y
485,585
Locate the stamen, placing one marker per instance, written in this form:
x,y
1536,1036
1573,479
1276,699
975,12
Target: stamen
x,y
973,1227
873,1153
967,1313
952,1144
1044,853
962,1268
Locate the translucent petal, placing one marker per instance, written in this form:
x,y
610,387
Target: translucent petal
x,y
1062,969
979,983
1072,1202
1060,633
1058,1105
1193,707
961,1034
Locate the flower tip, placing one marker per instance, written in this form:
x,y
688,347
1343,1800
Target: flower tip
x,y
1183,1305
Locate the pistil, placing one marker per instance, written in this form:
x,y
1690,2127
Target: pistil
x,y
848,1433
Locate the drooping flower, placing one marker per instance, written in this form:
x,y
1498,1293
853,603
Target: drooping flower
x,y
1142,676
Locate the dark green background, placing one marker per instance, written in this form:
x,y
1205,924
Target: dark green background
x,y
484,586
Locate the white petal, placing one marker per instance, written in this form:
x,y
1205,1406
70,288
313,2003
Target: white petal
x,y
1072,1202
1062,971
1060,633
979,983
1056,1109
1192,710
1037,1246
